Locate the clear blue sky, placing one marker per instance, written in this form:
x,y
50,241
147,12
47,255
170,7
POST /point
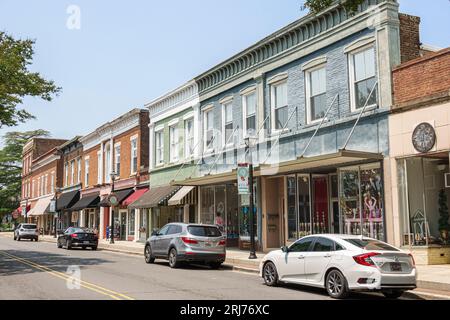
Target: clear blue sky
x,y
130,52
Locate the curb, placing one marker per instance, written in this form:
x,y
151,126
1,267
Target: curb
x,y
421,284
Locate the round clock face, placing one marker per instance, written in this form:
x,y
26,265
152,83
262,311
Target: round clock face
x,y
424,138
113,200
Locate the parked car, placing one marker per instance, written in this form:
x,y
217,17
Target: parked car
x,y
77,237
340,264
179,242
26,231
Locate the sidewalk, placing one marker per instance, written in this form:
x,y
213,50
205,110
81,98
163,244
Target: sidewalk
x,y
435,278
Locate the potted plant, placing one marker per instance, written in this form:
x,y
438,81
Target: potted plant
x,y
444,225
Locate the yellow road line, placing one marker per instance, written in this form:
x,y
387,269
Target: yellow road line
x,y
110,293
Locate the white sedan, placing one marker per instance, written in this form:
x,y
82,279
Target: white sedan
x,y
340,264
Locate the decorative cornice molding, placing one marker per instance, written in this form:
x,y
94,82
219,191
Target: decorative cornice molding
x,y
362,42
314,63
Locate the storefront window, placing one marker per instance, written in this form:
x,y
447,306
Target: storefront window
x,y
292,212
373,202
304,210
131,222
207,206
232,217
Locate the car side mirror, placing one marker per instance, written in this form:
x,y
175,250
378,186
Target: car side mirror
x,y
59,232
285,249
155,233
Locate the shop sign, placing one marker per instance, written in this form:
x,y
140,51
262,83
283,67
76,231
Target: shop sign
x,y
113,200
424,137
52,208
243,179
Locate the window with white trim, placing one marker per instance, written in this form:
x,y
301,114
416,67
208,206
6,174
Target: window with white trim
x,y
99,168
173,138
52,183
279,105
86,172
108,164
189,138
316,93
134,156
208,130
159,147
72,172
46,184
117,159
66,174
249,104
227,123
362,78
79,170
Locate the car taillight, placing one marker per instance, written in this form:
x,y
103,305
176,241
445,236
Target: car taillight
x,y
222,242
189,240
412,259
365,259
74,235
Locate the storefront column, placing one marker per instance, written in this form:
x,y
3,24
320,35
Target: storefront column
x,y
186,213
137,223
102,223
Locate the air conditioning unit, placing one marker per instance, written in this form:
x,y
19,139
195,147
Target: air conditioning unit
x,y
447,180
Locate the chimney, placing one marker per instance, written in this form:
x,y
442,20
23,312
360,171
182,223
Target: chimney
x,y
409,37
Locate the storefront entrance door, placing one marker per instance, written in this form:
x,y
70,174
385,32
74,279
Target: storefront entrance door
x,y
123,225
321,206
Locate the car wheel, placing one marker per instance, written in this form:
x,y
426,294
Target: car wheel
x,y
84,248
215,265
149,258
15,238
270,274
58,244
68,245
173,261
393,294
18,238
336,285
94,248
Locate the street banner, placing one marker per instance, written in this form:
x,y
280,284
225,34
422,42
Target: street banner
x,y
52,208
243,179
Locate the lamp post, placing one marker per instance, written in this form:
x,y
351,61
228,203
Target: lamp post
x,y
252,205
112,201
55,199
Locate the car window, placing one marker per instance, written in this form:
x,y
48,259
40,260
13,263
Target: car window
x,y
302,245
338,247
370,244
323,245
201,231
29,226
174,229
164,230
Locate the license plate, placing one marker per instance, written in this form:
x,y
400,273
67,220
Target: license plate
x,y
396,266
86,242
208,244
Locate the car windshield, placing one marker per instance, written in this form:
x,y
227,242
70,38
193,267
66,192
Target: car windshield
x,y
204,231
29,226
369,244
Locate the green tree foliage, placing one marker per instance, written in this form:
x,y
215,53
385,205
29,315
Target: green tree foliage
x,y
11,168
315,6
17,82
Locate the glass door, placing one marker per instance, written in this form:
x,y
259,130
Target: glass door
x,y
334,207
321,206
304,206
349,201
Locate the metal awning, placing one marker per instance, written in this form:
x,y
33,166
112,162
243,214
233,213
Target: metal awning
x,y
66,200
154,197
90,201
40,207
121,195
332,160
178,198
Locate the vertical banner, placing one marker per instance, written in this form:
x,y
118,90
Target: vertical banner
x,y
243,179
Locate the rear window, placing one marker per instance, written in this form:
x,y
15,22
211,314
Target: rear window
x,y
200,231
368,244
29,226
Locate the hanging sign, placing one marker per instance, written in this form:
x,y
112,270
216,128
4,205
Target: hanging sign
x,y
243,178
52,208
113,200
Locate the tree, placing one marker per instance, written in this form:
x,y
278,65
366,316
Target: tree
x,y
315,6
11,168
17,82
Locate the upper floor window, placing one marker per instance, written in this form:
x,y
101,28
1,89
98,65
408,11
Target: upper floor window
x,y
117,159
66,174
316,93
208,129
86,172
108,164
249,113
362,78
52,183
79,170
99,168
134,155
173,138
279,105
159,147
189,137
227,124
72,172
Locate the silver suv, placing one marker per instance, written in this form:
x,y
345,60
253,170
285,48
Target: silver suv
x,y
26,231
180,242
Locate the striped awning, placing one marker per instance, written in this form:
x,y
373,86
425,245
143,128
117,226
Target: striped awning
x,y
186,195
40,207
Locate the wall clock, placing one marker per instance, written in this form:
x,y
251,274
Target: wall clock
x,y
424,137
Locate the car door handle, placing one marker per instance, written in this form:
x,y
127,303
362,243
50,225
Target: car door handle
x,y
327,256
301,257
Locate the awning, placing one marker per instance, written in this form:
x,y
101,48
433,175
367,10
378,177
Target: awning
x,y
86,202
40,207
154,197
180,195
134,196
121,195
66,200
19,209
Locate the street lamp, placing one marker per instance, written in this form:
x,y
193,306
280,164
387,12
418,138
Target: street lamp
x,y
248,142
56,214
112,202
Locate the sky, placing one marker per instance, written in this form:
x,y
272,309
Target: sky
x,y
123,54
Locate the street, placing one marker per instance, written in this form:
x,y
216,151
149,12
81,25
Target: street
x,y
39,271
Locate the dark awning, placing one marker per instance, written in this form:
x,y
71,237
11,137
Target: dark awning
x,y
121,195
154,197
66,200
86,202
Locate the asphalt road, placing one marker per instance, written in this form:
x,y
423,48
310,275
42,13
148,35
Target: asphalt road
x,y
38,270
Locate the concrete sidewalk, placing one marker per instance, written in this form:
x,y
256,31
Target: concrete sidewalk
x,y
433,278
